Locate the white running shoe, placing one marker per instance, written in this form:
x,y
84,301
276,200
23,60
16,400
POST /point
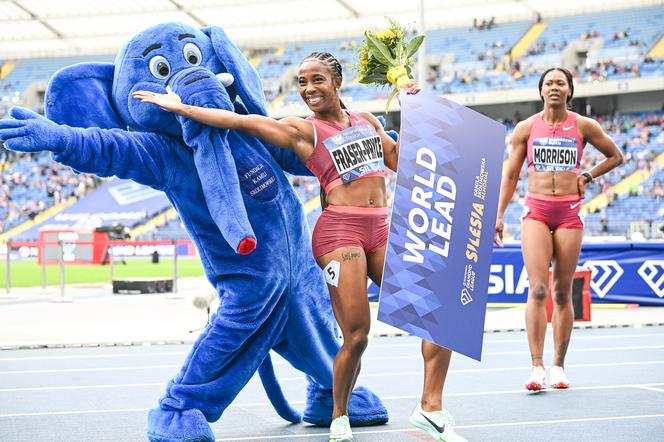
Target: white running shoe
x,y
536,380
340,430
558,378
439,424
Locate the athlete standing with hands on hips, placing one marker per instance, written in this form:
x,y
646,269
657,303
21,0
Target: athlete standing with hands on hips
x,y
551,224
348,152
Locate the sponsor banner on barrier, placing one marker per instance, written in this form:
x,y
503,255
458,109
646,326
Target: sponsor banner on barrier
x,y
620,272
118,201
442,226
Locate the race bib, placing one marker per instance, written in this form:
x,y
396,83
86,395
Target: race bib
x,y
554,154
356,151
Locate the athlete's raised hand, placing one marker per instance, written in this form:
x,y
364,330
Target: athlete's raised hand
x,y
409,88
170,101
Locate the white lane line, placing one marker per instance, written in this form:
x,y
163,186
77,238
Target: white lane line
x,y
83,387
501,369
521,340
60,413
99,356
524,352
92,369
651,388
299,378
319,435
562,421
160,384
280,361
411,430
297,403
579,350
520,391
371,346
582,338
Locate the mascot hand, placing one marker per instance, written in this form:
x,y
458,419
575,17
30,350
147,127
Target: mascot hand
x,y
27,131
392,133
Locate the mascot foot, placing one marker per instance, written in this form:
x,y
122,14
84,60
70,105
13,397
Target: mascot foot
x,y
365,408
178,426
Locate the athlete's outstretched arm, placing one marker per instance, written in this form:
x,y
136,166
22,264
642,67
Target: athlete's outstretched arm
x,y
512,173
288,133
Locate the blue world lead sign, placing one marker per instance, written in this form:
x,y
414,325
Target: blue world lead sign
x,y
436,276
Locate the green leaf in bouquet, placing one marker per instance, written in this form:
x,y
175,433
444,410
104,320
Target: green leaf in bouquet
x,y
375,77
379,50
414,45
376,55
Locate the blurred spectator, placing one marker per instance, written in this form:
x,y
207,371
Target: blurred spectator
x,y
604,221
657,189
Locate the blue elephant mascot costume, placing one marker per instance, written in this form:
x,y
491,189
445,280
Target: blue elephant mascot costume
x,y
235,202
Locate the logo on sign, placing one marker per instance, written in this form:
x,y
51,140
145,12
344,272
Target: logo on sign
x,y
465,297
652,272
605,273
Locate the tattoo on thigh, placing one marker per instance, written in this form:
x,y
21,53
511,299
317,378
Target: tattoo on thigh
x,y
347,256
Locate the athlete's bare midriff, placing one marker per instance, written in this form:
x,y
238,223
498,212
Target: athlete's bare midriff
x,y
552,183
365,192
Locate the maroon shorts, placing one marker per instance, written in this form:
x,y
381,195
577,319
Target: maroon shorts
x,y
557,212
345,226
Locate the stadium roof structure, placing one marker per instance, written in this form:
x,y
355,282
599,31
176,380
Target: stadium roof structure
x,y
51,28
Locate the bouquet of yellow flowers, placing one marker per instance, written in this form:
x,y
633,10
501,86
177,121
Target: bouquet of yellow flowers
x,y
386,57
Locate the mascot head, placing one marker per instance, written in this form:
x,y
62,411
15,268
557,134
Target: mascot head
x,y
206,69
99,94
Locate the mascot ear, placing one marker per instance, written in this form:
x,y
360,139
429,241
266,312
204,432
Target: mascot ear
x,y
247,84
80,96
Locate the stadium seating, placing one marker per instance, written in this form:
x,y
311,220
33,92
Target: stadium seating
x,y
466,59
463,59
31,183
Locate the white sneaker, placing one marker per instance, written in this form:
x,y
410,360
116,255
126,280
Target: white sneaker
x,y
558,378
536,380
439,424
340,430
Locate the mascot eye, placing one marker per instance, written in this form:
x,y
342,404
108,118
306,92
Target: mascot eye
x,y
192,54
159,67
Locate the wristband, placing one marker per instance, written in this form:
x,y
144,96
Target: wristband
x,y
588,176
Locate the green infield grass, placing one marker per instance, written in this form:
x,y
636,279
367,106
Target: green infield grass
x,y
27,273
